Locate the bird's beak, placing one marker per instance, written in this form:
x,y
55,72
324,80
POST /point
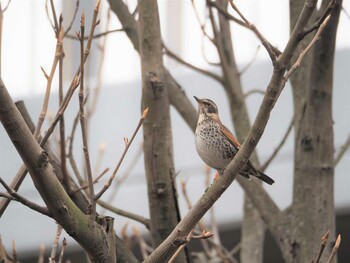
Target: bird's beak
x,y
198,100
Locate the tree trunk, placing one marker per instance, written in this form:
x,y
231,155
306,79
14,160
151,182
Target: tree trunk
x,y
313,194
158,148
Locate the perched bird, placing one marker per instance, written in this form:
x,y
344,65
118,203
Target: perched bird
x,y
216,145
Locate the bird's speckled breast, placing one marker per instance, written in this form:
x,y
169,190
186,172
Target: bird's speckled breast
x,y
212,146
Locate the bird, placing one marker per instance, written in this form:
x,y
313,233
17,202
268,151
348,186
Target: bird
x,y
216,145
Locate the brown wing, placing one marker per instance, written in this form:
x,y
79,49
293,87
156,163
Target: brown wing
x,y
230,136
251,168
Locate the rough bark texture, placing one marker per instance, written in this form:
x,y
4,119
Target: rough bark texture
x,y
93,237
313,196
158,148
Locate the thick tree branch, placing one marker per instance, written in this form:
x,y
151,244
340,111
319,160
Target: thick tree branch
x,y
88,233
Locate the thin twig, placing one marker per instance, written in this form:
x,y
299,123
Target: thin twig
x,y
53,10
254,91
120,180
8,4
127,145
246,67
189,65
271,50
58,54
86,186
75,81
106,33
62,134
202,25
309,46
48,15
64,244
335,249
73,164
17,197
279,146
98,86
138,218
226,14
190,236
324,240
342,151
318,23
52,257
73,19
92,202
179,250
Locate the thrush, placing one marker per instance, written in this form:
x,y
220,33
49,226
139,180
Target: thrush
x,y
216,145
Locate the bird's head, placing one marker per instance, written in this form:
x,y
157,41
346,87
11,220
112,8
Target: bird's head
x,y
207,108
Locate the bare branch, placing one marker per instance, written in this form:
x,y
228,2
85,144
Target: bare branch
x,y
127,146
202,25
309,46
279,146
64,244
6,7
335,249
323,245
342,151
319,22
140,219
92,201
103,34
189,65
73,19
226,14
254,91
17,197
271,50
58,54
243,70
52,257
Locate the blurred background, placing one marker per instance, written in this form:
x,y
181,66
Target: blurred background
x,y
28,43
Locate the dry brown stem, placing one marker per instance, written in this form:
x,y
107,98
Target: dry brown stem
x,y
191,66
309,46
92,201
324,240
127,146
19,198
138,218
54,248
64,244
335,249
271,50
58,54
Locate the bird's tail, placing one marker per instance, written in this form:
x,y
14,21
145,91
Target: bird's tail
x,y
265,178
